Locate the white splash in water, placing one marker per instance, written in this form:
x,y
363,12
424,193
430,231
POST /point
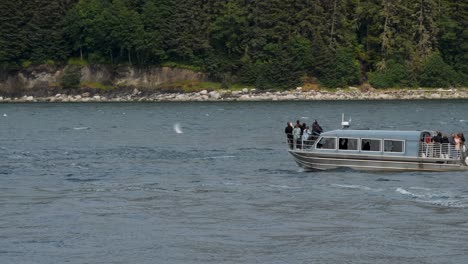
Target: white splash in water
x,y
5,115
405,192
178,129
81,128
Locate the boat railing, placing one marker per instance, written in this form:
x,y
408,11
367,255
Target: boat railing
x,y
440,150
302,143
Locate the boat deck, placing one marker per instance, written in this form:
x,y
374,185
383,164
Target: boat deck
x,y
445,151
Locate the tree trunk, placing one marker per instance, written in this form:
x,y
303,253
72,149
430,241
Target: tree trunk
x,y
129,57
332,30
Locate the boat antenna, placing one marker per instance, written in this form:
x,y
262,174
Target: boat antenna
x,y
345,124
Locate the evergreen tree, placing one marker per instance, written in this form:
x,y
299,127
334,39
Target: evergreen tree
x,y
44,31
453,36
12,35
126,30
229,29
436,73
425,27
153,16
394,74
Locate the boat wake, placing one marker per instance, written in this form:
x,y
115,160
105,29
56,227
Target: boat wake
x,y
438,198
357,187
218,157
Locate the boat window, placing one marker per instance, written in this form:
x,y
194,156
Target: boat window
x,y
370,144
393,145
327,143
348,143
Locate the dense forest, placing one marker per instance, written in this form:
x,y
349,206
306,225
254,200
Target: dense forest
x,y
267,43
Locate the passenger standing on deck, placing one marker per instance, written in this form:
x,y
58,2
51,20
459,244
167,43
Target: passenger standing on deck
x,y
462,141
305,136
457,141
300,126
445,145
297,135
437,138
316,128
436,145
289,134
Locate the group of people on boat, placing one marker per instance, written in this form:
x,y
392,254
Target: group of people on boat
x,y
442,145
300,133
457,139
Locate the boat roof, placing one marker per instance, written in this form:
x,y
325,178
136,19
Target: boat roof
x,y
389,134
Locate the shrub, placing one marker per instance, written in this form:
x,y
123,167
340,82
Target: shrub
x,y
26,63
71,77
435,72
50,62
77,61
394,74
340,70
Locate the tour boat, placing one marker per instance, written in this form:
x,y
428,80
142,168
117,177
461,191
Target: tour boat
x,y
379,150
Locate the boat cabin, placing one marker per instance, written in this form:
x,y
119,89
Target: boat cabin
x,y
380,143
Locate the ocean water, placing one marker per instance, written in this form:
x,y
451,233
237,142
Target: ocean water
x,y
116,183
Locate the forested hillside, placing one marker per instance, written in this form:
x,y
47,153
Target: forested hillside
x,y
265,43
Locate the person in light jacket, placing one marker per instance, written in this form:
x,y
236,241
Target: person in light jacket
x,y
297,135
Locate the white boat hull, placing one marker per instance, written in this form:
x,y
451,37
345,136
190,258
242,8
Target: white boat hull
x,y
326,161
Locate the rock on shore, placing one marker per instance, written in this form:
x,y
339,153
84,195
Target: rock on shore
x,y
250,95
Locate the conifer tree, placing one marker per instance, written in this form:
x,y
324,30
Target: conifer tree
x,y
12,35
44,31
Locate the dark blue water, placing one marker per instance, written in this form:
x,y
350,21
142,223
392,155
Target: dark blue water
x,y
114,183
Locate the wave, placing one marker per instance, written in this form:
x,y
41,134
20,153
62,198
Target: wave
x,y
449,203
81,180
430,196
275,186
385,180
357,187
218,157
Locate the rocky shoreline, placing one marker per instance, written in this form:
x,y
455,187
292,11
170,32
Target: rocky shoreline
x,y
248,95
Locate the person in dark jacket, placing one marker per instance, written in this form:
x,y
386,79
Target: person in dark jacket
x,y
316,128
437,138
289,134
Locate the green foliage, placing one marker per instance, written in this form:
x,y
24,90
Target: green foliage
x,y
71,77
265,43
12,37
26,63
50,62
77,61
436,73
393,74
229,29
340,70
44,31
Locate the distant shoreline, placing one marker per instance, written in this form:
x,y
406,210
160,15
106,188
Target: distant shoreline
x,y
351,94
